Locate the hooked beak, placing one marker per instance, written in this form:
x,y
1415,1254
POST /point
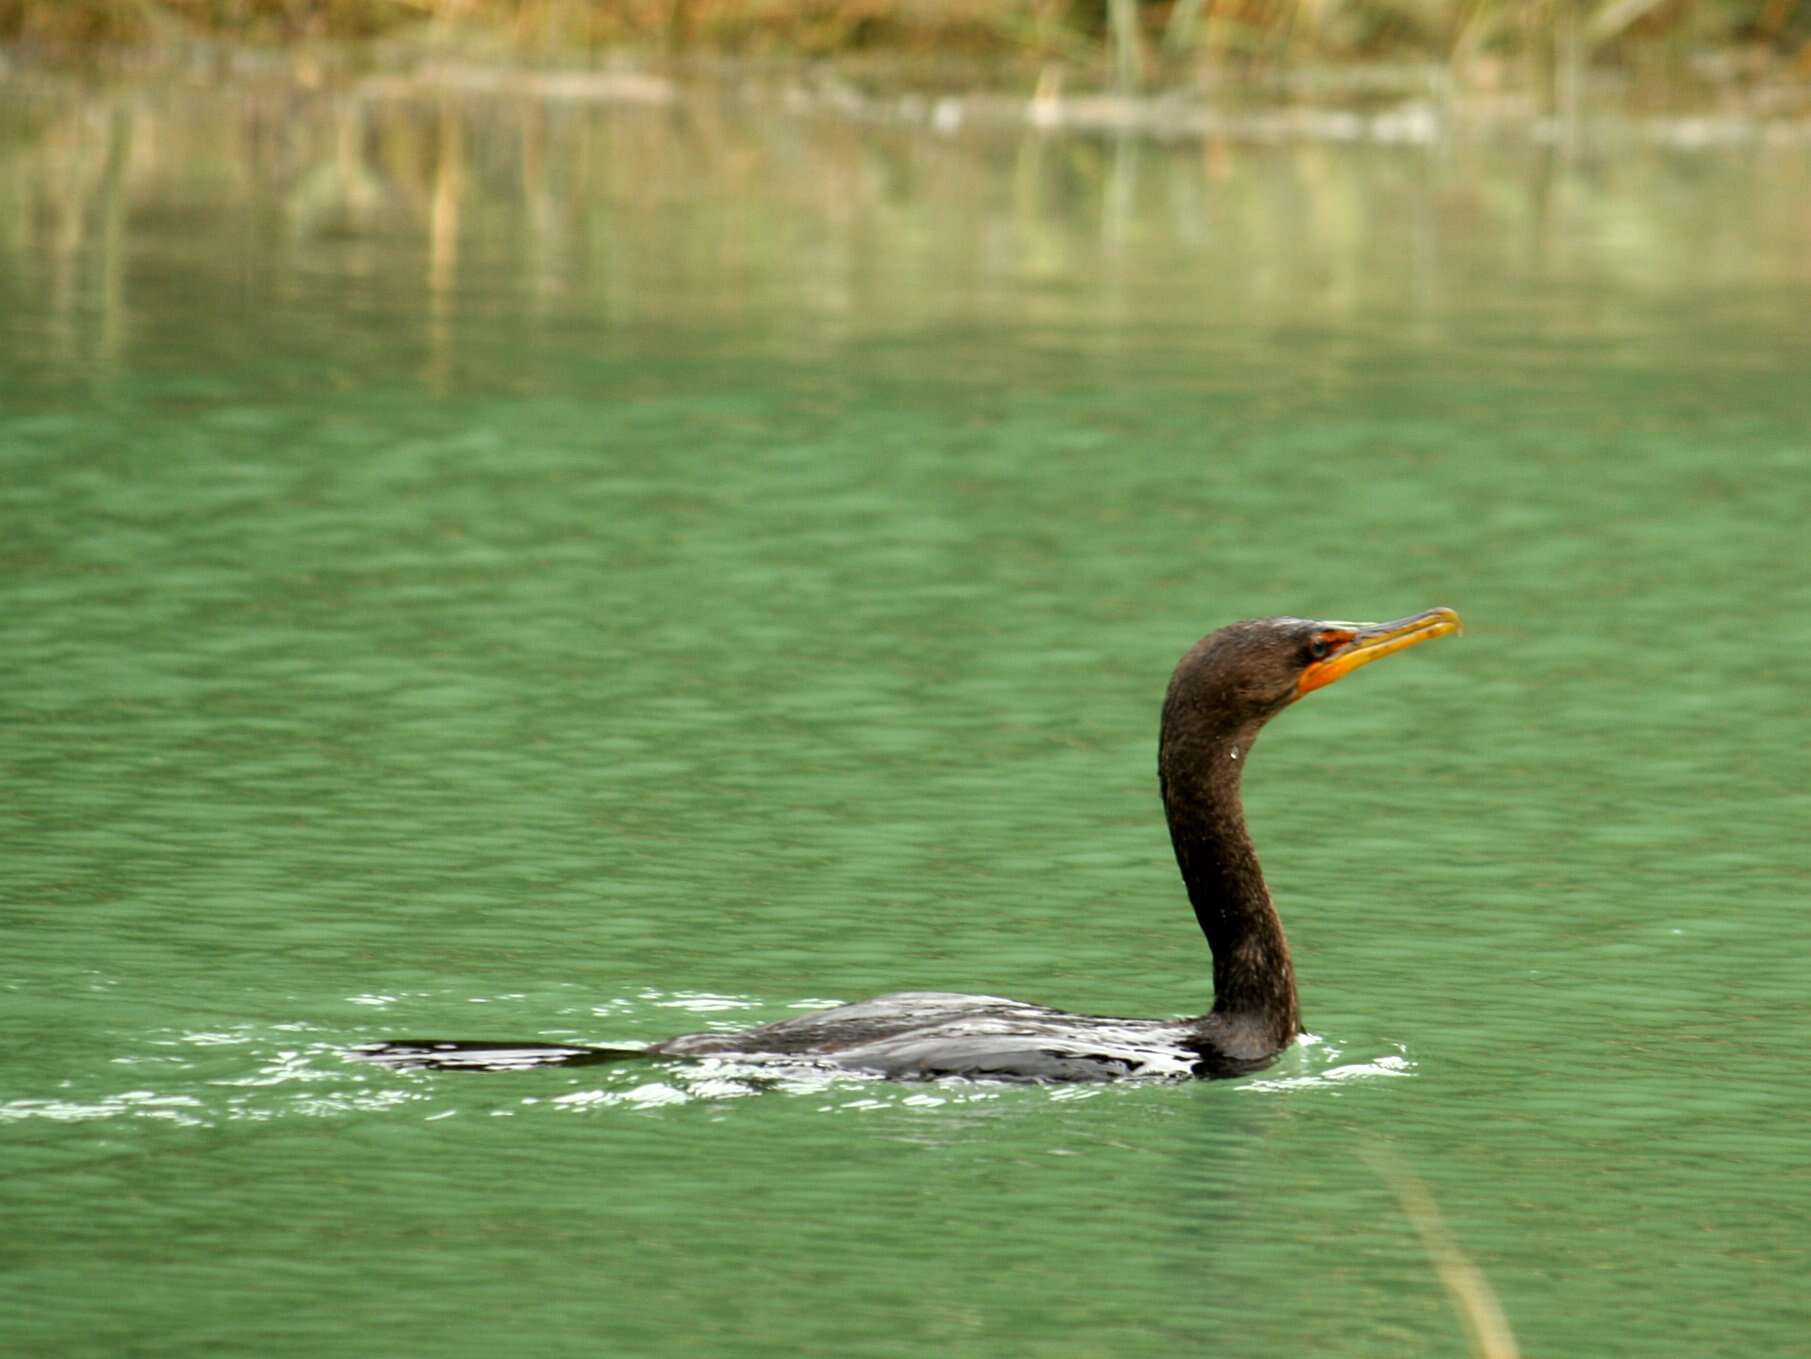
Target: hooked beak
x,y
1368,642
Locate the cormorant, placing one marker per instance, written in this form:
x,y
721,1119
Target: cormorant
x,y
1227,686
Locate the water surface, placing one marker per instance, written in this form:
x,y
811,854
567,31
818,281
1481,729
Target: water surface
x,y
514,567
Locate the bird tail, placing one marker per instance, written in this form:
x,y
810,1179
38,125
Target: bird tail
x,y
431,1054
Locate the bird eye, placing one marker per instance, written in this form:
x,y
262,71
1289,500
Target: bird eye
x,y
1318,648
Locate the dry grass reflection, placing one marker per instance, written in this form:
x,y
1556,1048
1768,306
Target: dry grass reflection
x,y
771,208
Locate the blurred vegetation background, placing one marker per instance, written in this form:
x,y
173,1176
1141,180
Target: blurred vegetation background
x,y
1124,43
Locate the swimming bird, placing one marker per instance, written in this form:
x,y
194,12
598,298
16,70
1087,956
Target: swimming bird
x,y
1223,691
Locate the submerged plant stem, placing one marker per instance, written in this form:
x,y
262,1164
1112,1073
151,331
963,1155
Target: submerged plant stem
x,y
1469,1291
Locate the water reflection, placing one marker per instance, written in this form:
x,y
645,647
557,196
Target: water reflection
x,y
720,211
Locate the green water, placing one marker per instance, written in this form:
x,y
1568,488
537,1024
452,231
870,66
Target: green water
x,y
498,567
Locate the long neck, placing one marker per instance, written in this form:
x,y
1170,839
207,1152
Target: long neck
x,y
1254,981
